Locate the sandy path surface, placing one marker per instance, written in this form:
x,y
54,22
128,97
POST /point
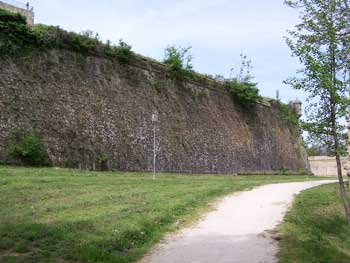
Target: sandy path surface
x,y
237,231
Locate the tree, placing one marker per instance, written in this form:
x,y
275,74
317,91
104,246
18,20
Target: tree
x,y
321,42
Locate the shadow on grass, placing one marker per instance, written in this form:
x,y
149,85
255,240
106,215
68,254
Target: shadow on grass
x,y
315,230
77,242
327,242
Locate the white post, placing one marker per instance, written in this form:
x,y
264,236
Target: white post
x,y
154,122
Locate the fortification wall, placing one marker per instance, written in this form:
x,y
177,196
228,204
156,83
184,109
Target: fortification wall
x,y
325,165
86,107
29,14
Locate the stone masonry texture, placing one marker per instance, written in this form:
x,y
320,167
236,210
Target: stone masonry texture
x,y
86,108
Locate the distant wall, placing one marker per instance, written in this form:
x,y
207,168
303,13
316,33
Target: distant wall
x,y
29,14
324,165
87,107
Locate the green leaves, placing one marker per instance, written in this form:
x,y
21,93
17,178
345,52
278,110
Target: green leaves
x,y
247,93
324,54
16,37
179,60
7,17
31,151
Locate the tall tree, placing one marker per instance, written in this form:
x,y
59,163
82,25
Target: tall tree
x,y
321,42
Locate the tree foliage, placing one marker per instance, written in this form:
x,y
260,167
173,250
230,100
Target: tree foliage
x,y
319,45
324,146
322,43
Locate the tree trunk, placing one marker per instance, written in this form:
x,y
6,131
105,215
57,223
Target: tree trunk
x,y
342,190
339,170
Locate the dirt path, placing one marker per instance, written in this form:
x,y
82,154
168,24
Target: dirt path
x,y
237,231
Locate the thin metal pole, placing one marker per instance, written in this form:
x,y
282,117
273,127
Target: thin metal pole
x,y
154,150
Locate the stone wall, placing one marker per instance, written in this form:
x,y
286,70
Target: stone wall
x,y
88,107
325,166
29,14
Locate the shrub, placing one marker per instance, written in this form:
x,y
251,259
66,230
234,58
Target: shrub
x,y
241,87
6,17
179,60
31,151
283,170
247,93
102,163
288,115
123,51
86,42
15,35
55,37
290,118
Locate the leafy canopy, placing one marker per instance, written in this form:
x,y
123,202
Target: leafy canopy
x,y
321,42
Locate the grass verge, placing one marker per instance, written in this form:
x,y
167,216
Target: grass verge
x,y
315,229
60,215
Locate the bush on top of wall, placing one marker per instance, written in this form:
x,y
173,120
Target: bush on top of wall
x,y
15,34
16,37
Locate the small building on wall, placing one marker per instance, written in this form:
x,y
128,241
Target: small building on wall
x,y
21,8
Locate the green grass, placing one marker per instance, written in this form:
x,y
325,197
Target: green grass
x,y
315,229
60,215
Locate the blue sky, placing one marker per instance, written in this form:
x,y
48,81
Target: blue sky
x,y
217,30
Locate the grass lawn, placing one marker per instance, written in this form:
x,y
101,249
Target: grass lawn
x,y
61,215
315,229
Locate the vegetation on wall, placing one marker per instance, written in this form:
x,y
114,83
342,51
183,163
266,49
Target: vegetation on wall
x,y
241,86
179,59
86,42
16,37
246,93
288,116
102,162
30,150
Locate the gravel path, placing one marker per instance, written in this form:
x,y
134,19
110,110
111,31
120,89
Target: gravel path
x,y
237,231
